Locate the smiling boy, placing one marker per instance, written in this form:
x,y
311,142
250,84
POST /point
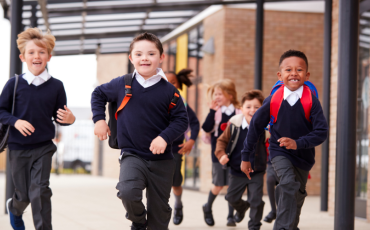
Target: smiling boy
x,y
146,128
293,138
39,98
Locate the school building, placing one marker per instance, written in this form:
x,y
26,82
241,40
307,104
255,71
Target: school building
x,y
243,42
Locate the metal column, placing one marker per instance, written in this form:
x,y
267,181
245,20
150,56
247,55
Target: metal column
x,y
346,115
259,46
326,107
15,68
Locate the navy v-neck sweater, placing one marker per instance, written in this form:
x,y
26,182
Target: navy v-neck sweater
x,y
208,126
292,123
145,116
35,104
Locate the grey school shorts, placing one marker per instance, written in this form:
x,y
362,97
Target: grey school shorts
x,y
220,175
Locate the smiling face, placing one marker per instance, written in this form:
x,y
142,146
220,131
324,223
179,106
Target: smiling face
x,y
249,108
173,80
293,72
36,58
146,58
221,98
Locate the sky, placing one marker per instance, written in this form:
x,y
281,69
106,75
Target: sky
x,y
77,72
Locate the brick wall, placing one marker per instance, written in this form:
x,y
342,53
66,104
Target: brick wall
x,y
234,33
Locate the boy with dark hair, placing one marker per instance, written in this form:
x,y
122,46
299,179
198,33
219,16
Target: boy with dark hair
x,y
39,98
228,151
294,136
146,128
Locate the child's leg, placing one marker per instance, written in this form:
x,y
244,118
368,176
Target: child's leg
x,y
39,191
132,182
237,186
287,189
271,183
158,192
177,180
301,176
255,193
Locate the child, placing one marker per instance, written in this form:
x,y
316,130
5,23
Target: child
x,y
223,106
179,148
231,142
146,128
294,136
39,98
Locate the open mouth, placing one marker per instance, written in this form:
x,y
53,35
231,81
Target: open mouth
x,y
294,80
37,63
144,64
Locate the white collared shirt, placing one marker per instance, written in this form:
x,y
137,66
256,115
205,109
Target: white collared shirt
x,y
150,81
36,80
228,110
292,96
245,123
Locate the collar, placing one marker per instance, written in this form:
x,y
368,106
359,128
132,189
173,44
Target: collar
x,y
29,77
287,92
160,73
228,109
245,123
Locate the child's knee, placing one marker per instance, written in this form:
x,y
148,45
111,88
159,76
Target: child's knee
x,y
39,192
232,199
127,193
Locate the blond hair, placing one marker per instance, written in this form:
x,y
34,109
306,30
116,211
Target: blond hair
x,y
228,88
46,40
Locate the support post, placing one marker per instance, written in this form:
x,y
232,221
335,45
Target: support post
x,y
346,115
326,107
259,46
15,68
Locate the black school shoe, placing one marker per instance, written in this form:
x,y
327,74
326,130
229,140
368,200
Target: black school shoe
x,y
208,216
231,222
177,216
239,216
270,217
138,226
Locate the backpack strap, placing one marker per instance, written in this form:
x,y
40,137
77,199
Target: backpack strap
x,y
306,102
174,100
128,93
275,104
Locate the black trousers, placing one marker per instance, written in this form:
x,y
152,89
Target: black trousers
x,y
237,186
271,181
137,174
31,175
290,193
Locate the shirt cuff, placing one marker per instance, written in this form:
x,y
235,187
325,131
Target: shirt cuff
x,y
245,156
100,117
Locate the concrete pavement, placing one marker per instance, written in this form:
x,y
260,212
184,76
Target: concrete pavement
x,y
89,203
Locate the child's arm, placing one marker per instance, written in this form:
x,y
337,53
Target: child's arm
x,y
222,142
209,123
194,131
101,95
178,125
257,126
62,115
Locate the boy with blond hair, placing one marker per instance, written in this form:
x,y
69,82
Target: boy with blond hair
x,y
146,127
39,98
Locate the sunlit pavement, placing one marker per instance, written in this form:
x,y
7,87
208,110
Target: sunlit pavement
x,y
85,202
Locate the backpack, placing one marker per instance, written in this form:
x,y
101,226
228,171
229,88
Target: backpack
x,y
277,98
113,110
4,129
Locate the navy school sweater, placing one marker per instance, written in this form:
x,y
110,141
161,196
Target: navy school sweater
x,y
291,123
35,104
208,126
145,116
194,130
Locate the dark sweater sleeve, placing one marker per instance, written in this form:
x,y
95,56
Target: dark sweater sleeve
x,y
61,101
320,128
194,123
257,127
102,94
209,123
178,123
6,103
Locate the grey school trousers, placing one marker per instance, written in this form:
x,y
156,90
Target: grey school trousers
x,y
31,173
271,181
136,174
237,186
290,193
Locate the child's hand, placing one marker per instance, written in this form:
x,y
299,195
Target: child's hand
x,y
158,145
214,105
101,130
186,147
65,116
246,168
224,159
287,143
24,127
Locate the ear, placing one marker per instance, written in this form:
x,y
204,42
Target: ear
x,y
49,57
308,74
22,58
161,58
279,76
129,57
